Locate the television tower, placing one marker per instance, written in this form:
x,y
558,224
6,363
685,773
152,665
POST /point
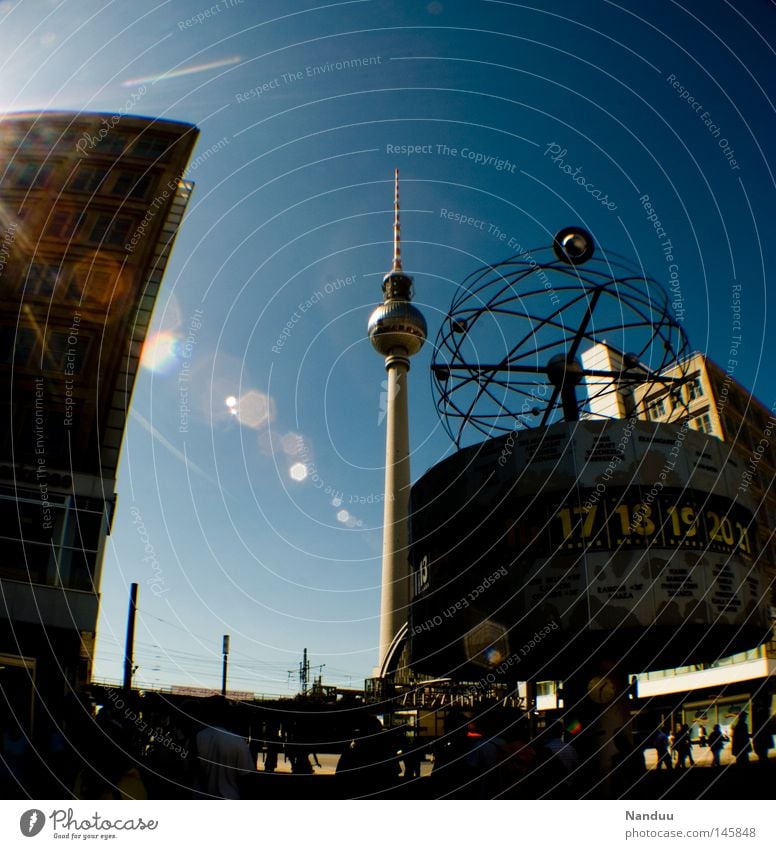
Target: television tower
x,y
397,330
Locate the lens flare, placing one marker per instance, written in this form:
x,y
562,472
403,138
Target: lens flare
x,y
160,352
298,472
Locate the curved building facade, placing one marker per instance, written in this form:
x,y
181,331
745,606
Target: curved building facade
x,y
90,205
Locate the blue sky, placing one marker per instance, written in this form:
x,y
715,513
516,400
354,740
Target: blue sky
x,y
304,110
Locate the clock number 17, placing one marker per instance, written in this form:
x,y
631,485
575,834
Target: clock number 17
x,y
565,516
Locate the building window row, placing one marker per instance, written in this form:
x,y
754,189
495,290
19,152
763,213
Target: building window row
x,y
52,544
75,138
111,230
144,146
116,182
76,284
59,351
99,228
27,175
129,185
656,408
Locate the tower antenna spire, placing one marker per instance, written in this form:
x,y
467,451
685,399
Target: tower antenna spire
x,y
396,224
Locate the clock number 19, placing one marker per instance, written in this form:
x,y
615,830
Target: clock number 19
x,y
682,521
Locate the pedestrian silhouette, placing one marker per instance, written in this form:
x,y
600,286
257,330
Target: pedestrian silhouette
x,y
742,744
717,742
682,746
660,742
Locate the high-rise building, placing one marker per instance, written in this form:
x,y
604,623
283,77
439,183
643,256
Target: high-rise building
x,y
90,205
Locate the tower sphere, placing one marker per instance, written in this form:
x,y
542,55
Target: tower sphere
x,y
397,324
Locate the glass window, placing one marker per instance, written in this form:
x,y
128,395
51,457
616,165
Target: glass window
x,y
63,225
61,355
100,228
149,147
54,545
41,279
110,230
656,408
25,545
694,389
131,185
112,143
27,175
702,423
16,346
87,179
120,231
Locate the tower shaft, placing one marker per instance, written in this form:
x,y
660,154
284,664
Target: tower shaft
x,y
394,591
397,331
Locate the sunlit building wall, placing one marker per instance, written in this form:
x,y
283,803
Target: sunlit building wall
x,y
90,206
719,406
713,402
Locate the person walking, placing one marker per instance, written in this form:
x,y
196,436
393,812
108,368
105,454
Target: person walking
x,y
717,742
682,746
762,739
742,743
223,755
662,749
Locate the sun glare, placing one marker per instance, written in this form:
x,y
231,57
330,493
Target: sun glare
x,y
159,351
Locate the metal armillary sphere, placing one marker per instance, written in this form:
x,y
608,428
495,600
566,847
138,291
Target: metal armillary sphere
x,y
516,348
